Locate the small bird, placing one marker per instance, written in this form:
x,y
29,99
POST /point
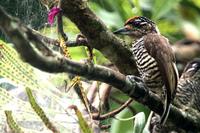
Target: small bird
x,y
188,90
154,59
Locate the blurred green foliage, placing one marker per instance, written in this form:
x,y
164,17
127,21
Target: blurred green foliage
x,y
126,126
169,15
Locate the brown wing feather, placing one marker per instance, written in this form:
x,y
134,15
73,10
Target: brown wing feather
x,y
159,48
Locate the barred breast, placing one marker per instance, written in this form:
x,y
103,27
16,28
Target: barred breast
x,y
147,67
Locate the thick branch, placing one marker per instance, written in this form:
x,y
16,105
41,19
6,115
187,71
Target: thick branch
x,y
56,63
185,50
98,35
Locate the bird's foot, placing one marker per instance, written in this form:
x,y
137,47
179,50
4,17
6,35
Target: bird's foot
x,y
81,38
133,78
157,128
155,124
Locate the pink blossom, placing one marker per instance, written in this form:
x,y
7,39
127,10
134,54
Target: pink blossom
x,y
52,13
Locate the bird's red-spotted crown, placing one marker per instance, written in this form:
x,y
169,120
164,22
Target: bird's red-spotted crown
x,y
137,27
131,19
138,20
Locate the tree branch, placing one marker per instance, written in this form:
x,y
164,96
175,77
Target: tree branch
x,y
86,20
56,63
185,50
55,42
99,37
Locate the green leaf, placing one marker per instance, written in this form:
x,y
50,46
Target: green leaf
x,y
11,122
146,128
138,8
196,2
139,122
109,18
162,7
22,74
122,126
82,122
40,112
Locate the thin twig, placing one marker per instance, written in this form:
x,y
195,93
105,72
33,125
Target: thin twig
x,y
104,93
121,103
92,92
55,42
60,25
114,112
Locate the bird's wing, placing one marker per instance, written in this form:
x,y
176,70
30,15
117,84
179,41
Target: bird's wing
x,y
159,48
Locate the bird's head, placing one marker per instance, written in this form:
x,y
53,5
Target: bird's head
x,y
137,27
192,69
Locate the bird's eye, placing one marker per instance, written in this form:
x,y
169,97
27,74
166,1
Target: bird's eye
x,y
136,23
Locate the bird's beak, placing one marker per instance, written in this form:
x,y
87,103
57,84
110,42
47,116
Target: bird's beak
x,y
122,31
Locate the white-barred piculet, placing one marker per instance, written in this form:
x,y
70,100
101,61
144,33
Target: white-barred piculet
x,y
154,58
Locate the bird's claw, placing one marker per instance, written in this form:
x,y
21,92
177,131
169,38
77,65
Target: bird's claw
x,y
134,78
81,38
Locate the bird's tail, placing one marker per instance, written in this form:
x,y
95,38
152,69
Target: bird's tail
x,y
166,109
170,91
